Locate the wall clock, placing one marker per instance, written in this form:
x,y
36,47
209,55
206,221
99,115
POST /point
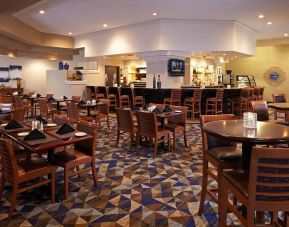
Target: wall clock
x,y
274,76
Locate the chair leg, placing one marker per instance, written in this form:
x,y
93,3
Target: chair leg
x,y
52,177
174,140
155,148
2,186
222,199
65,183
94,172
117,137
131,139
13,200
204,186
185,138
107,120
169,143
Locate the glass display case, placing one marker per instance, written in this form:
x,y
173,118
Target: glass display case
x,y
245,81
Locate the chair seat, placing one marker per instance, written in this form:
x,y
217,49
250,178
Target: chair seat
x,y
70,155
229,153
33,164
239,179
20,152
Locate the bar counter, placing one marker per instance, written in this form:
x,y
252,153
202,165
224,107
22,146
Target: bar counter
x,y
153,95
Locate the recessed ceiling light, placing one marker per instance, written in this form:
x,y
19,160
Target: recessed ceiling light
x,y
286,34
69,33
261,16
269,22
155,14
41,11
224,54
104,25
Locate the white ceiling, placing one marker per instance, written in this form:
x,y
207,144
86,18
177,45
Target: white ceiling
x,y
86,16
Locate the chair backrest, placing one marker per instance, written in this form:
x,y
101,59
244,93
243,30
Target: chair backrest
x,y
75,98
60,119
124,120
119,92
48,95
43,107
72,111
87,147
261,108
180,119
176,94
210,141
197,95
269,179
107,92
18,102
104,108
220,93
245,92
146,123
257,91
8,159
19,114
279,97
261,92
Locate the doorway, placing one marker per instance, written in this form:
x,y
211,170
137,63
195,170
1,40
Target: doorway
x,y
112,73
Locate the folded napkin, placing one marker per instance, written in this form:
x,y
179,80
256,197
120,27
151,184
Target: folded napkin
x,y
167,109
157,111
41,119
51,99
38,95
13,125
64,97
35,134
65,128
81,102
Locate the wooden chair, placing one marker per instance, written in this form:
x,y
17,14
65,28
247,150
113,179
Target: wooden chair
x,y
60,119
175,98
45,109
125,123
97,94
81,154
147,127
215,105
19,103
279,98
261,93
256,92
102,113
124,101
73,113
194,103
264,188
177,124
75,98
111,97
137,100
221,154
23,171
19,114
241,104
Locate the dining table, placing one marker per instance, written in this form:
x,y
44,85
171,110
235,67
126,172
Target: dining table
x,y
281,107
265,133
51,141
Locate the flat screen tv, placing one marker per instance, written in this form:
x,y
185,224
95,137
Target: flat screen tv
x,y
176,67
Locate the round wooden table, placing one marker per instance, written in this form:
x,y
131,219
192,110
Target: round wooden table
x,y
233,130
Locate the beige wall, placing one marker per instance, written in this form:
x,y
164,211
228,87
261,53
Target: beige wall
x,y
265,58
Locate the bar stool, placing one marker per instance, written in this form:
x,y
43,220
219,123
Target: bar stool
x,y
240,104
111,98
215,105
98,95
123,100
137,100
175,98
194,103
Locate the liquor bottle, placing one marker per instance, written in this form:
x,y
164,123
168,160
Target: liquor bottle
x,y
154,81
159,83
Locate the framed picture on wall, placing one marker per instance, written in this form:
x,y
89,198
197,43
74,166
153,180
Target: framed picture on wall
x,y
15,72
4,74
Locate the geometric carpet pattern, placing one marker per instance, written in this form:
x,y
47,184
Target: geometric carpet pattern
x,y
133,189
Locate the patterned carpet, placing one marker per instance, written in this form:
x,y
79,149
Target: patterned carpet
x,y
133,190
